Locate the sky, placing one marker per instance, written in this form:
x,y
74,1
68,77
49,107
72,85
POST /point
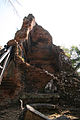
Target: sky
x,y
60,17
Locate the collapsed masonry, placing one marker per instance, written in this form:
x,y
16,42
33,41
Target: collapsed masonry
x,y
37,65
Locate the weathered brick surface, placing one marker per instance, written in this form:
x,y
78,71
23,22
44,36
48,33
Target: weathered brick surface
x,y
35,60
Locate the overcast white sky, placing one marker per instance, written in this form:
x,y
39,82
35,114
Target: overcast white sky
x,y
60,17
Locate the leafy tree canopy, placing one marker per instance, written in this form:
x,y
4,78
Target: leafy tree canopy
x,y
74,54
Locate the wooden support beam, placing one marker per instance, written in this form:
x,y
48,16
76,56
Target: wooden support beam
x,y
32,114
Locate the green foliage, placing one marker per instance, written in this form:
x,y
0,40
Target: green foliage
x,y
67,51
74,54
